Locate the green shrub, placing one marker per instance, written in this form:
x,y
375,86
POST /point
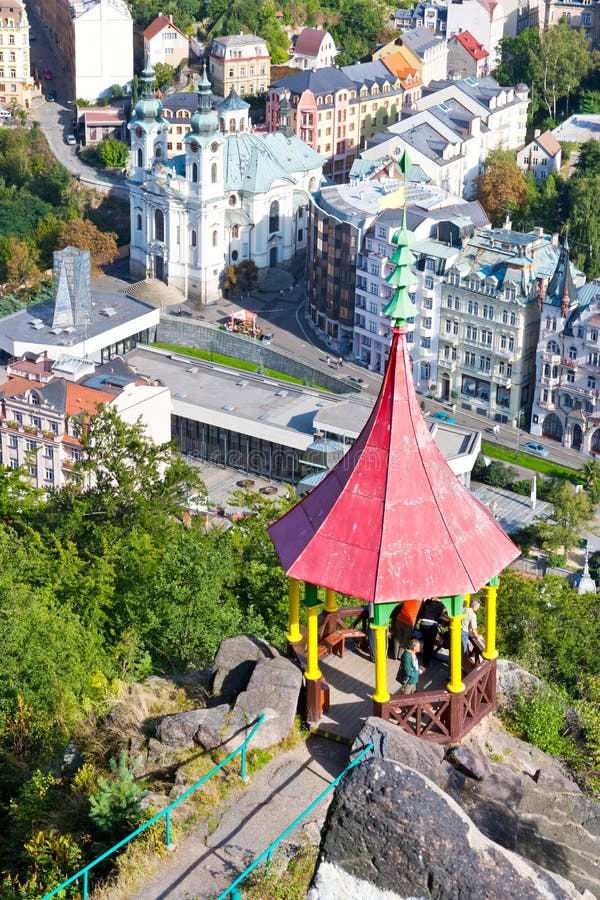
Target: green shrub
x,y
522,487
556,559
540,720
117,806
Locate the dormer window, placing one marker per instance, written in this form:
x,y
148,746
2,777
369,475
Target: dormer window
x,y
34,398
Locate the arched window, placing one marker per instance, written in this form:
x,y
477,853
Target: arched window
x,y
140,157
231,126
222,124
138,221
235,231
215,238
213,173
195,172
194,238
572,352
553,347
312,185
274,217
241,124
159,225
158,151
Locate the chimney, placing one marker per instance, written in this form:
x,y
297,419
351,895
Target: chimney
x,y
554,239
537,132
538,231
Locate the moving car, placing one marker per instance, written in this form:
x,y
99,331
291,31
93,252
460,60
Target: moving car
x,y
444,417
71,140
532,447
47,74
51,96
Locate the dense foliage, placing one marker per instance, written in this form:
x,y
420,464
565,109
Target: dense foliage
x,y
102,586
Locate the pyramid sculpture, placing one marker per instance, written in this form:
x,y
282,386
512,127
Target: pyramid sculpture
x,y
72,288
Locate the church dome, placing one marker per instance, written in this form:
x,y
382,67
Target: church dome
x,y
148,107
204,120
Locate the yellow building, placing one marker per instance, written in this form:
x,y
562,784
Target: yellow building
x,y
241,62
15,74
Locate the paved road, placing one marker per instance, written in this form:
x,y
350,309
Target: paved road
x,y
56,119
204,865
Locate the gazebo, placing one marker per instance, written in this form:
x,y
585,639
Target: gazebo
x,y
390,523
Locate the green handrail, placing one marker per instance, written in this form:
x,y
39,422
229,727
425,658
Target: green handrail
x,y
234,891
166,812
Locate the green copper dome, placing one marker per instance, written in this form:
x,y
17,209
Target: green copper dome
x,y
204,121
148,107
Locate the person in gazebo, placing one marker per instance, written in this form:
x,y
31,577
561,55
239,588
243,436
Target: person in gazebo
x,y
410,670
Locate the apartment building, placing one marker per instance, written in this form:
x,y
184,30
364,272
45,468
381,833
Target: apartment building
x,y
45,403
566,405
165,43
95,40
350,230
490,321
240,61
580,14
467,57
425,51
541,156
484,19
335,109
429,13
16,83
313,49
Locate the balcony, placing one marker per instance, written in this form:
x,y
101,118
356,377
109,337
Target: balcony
x,y
502,380
449,365
569,363
506,354
450,338
547,404
552,358
549,381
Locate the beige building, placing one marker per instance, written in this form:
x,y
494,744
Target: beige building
x,y
242,62
165,43
15,77
542,14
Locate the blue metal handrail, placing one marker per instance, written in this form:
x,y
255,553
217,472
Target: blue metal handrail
x,y
166,812
234,891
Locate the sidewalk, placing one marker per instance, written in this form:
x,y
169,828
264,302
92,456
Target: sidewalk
x,y
206,864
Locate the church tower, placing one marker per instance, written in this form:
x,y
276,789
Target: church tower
x,y
204,148
148,129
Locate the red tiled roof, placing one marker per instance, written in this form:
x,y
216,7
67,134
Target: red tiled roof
x,y
548,142
391,521
398,66
161,22
309,41
471,45
16,385
107,115
84,399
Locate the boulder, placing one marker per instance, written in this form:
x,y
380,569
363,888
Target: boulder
x,y
393,828
394,743
274,688
178,730
471,761
234,664
512,680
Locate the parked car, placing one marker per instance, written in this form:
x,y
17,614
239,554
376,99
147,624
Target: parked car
x,y
47,74
532,447
442,416
71,140
51,96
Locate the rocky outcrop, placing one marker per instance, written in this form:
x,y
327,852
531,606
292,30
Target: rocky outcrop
x,y
515,795
234,664
391,832
513,680
272,689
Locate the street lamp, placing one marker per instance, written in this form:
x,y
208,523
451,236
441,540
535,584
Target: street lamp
x,y
520,415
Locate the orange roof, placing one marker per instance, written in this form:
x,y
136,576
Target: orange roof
x,y
548,142
107,115
471,45
84,399
17,385
161,22
398,66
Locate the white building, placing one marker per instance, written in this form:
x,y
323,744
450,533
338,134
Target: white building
x,y
485,19
450,130
45,402
102,47
541,156
78,321
314,49
232,195
165,43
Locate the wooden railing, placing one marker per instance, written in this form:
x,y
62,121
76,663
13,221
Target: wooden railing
x,y
441,716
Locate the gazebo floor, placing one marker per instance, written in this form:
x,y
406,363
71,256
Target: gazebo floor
x,y
351,681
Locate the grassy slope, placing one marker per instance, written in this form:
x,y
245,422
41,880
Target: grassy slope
x,y
536,464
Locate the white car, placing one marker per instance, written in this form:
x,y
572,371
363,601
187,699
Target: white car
x,y
71,140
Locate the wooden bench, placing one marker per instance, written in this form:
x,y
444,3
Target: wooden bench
x,y
335,643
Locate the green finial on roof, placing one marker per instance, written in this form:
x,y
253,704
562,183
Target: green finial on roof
x,y
404,163
401,306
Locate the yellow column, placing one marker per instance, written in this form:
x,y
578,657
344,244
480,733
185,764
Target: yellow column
x,y
467,600
381,694
330,601
455,685
490,651
312,672
294,634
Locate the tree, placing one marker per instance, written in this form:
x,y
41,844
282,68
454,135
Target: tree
x,y
113,153
129,472
18,262
165,75
588,163
116,91
83,234
589,102
563,61
584,223
572,511
502,187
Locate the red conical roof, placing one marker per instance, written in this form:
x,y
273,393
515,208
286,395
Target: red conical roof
x,y
392,521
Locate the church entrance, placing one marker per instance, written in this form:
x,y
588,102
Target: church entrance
x,y
159,268
272,257
577,439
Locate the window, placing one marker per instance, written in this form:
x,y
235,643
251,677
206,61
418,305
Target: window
x,y
49,452
274,217
471,333
138,222
30,446
427,303
594,335
195,172
570,377
159,225
429,283
215,238
36,421
235,231
49,474
572,352
426,323
426,343
193,238
591,382
213,173
457,304
12,440
449,301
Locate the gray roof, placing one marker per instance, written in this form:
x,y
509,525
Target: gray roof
x,y
421,39
327,80
239,40
369,73
233,102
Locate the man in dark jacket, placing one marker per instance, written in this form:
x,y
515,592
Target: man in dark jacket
x,y
431,612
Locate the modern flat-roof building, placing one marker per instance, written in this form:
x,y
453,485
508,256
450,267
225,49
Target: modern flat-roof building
x,y
268,427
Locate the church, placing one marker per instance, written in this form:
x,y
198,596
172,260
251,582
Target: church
x,y
232,195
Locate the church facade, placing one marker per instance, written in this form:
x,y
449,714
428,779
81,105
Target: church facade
x,y
232,195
